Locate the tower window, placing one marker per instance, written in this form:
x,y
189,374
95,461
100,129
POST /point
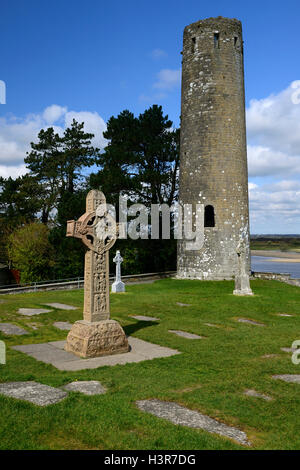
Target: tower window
x,y
209,216
193,44
216,40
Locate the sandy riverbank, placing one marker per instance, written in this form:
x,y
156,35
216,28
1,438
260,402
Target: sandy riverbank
x,y
278,256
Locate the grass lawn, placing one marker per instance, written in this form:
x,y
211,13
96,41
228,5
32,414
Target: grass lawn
x,y
210,375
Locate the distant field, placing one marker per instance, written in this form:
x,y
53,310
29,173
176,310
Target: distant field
x,y
210,375
281,244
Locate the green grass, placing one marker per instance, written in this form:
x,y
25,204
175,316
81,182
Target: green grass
x,y
209,375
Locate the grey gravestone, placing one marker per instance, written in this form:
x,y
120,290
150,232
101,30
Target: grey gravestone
x,y
144,318
32,311
63,325
33,392
292,378
10,329
88,387
185,334
254,393
183,305
251,322
118,285
193,419
61,306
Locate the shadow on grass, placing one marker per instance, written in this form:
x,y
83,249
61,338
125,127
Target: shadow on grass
x,y
130,329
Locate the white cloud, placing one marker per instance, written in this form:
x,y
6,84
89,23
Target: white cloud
x,y
273,129
273,132
53,113
93,123
168,79
158,54
274,208
267,161
17,133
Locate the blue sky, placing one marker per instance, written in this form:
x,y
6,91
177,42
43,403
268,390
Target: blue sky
x,y
94,59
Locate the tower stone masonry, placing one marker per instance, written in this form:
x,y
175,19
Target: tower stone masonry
x,y
213,154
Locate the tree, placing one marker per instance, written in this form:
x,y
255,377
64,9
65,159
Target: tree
x,y
56,163
77,153
20,200
31,253
141,159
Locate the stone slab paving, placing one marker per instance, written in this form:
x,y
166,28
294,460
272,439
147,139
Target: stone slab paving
x,y
88,387
10,329
251,322
63,325
183,305
54,353
292,378
62,306
254,393
185,334
193,419
33,311
144,318
33,392
268,356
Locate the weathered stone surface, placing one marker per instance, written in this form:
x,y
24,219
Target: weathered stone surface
x,y
251,322
242,283
185,334
87,387
10,329
213,159
94,339
144,318
33,392
63,325
62,306
212,325
54,353
33,311
193,419
254,393
183,305
292,378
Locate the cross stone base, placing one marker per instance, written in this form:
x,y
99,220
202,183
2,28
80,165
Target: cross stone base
x,y
94,339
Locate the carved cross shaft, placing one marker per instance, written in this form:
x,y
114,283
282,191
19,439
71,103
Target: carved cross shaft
x,y
98,231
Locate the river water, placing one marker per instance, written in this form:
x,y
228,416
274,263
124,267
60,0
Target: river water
x,y
263,264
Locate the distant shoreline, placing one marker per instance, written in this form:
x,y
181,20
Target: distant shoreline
x,y
278,256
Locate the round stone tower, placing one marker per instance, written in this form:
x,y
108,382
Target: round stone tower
x,y
213,155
